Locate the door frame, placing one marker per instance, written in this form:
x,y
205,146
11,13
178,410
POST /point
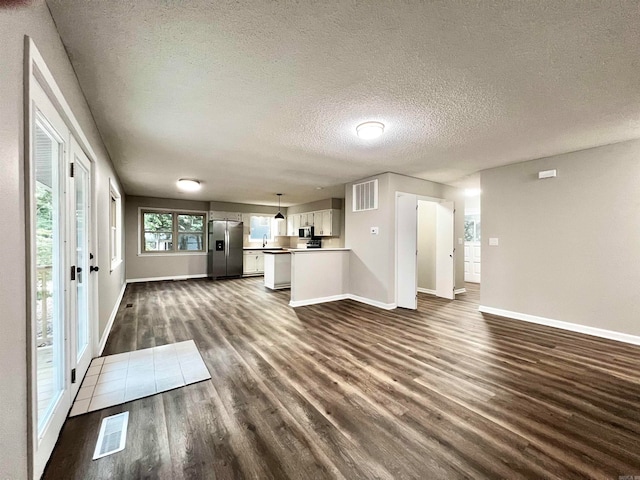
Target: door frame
x,y
37,74
438,201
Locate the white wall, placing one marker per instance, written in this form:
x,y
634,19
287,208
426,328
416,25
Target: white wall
x,y
372,263
569,247
33,19
427,245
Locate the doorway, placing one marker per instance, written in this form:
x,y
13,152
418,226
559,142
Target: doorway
x,y
61,232
420,256
472,237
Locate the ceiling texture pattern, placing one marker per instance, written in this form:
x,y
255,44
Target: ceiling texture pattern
x,y
259,97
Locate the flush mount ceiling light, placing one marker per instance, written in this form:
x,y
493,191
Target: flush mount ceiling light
x,y
279,215
188,185
370,130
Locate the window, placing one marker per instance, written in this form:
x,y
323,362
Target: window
x,y
472,228
171,232
115,226
261,228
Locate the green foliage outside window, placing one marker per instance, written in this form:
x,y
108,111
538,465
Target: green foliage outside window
x,y
161,228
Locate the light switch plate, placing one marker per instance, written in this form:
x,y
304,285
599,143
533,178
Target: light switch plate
x,y
493,242
459,241
375,230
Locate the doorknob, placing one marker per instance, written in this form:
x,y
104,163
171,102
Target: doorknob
x,y
93,269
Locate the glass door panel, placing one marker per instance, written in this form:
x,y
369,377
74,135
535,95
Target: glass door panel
x,y
82,258
49,256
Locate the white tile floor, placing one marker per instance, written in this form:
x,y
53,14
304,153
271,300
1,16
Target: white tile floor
x,y
128,376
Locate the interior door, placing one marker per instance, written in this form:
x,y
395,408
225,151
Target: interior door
x,y
445,278
472,262
80,251
406,250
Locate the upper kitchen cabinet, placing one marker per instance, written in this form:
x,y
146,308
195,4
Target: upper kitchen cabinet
x,y
235,216
306,219
293,224
327,223
281,227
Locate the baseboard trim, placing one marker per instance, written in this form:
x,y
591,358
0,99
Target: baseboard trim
x,y
112,318
159,279
343,296
459,290
314,301
572,327
426,290
373,303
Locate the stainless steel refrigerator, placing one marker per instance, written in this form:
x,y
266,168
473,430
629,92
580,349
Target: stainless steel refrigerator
x,y
225,249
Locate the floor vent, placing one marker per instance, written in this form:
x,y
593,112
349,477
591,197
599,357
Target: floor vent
x,y
113,435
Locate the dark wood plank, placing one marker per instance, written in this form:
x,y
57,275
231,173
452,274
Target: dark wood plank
x,y
344,390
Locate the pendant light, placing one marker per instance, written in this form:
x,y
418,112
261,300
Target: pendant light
x,y
279,215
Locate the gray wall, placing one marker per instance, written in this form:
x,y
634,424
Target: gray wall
x,y
569,247
34,20
373,260
427,245
153,266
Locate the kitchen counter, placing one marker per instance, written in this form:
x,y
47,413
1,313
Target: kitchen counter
x,y
313,250
277,269
262,249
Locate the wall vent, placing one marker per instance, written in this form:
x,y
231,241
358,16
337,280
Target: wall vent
x,y
365,196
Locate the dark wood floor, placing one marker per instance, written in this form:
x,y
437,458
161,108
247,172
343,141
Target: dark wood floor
x,y
344,390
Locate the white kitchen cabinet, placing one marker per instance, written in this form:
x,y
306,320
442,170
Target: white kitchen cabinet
x,y
277,270
327,223
216,215
253,262
296,224
306,219
281,227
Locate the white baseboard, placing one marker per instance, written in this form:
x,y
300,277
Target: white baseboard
x,y
112,317
573,327
314,301
158,279
344,296
373,303
426,290
433,292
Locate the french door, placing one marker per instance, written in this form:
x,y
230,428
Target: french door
x,y
60,179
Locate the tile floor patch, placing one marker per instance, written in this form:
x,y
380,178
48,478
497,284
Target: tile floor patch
x,y
124,377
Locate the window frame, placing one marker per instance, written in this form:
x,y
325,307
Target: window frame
x,y
115,226
272,227
174,232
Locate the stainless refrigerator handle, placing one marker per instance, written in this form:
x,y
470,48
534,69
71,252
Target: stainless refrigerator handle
x,y
226,242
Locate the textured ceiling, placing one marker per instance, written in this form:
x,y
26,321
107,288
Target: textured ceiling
x,y
259,97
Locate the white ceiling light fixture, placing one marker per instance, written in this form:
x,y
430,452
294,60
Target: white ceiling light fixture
x,y
370,130
188,185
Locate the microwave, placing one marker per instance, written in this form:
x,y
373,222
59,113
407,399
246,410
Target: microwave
x,y
305,232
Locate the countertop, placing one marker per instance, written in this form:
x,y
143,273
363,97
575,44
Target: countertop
x,y
262,249
318,250
277,252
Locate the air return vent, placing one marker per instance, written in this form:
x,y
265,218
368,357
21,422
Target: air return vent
x,y
365,196
113,435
